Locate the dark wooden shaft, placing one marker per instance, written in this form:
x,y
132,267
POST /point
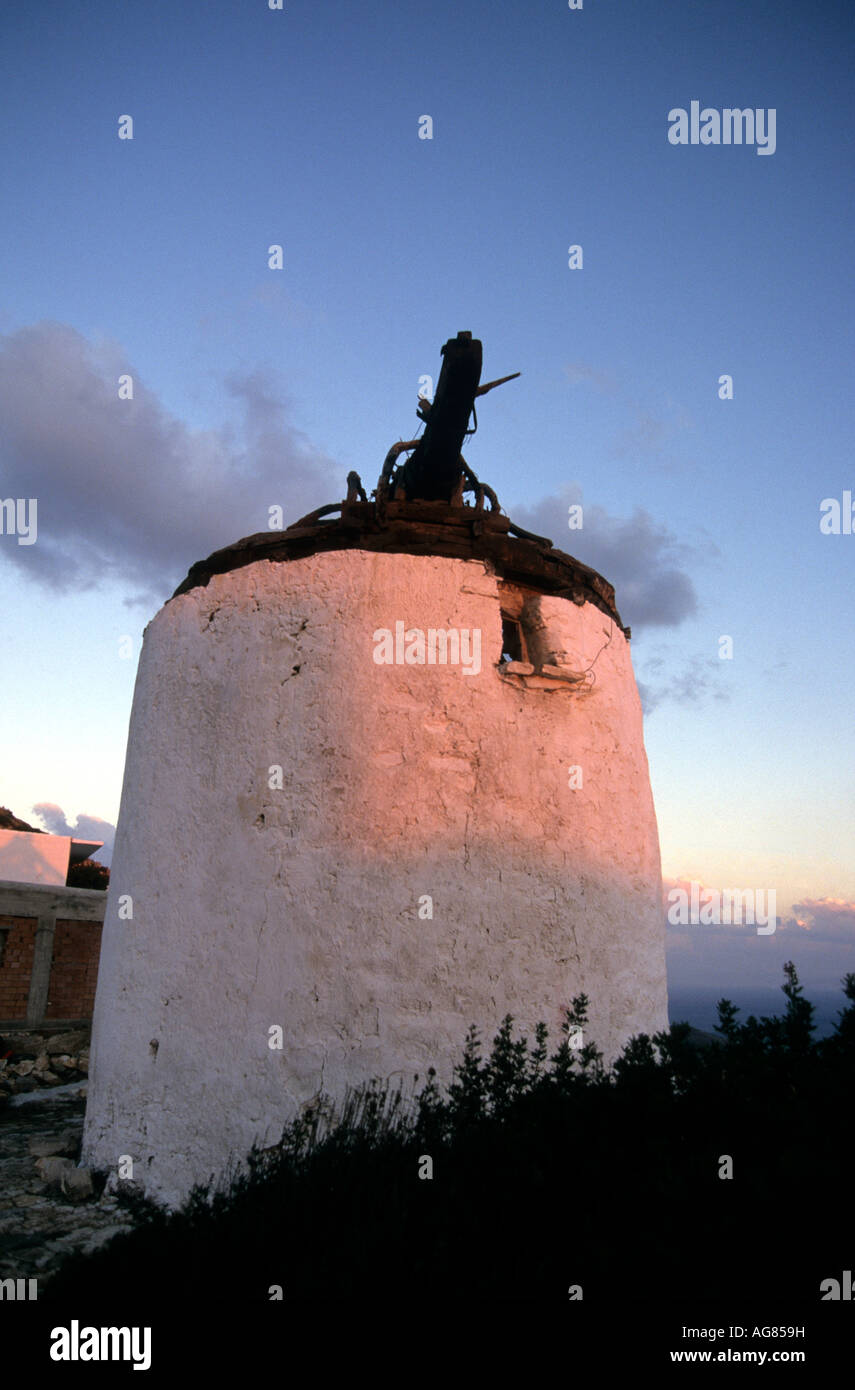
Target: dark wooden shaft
x,y
432,471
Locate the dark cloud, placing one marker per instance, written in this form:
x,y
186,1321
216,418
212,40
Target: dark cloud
x,y
639,556
126,492
824,919
87,828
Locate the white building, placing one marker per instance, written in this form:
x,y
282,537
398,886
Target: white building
x,y
364,854
29,856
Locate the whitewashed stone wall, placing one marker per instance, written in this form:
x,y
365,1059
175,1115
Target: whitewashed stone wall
x,y
255,906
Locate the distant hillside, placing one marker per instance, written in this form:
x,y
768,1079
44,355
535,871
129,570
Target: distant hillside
x,y
698,1038
10,822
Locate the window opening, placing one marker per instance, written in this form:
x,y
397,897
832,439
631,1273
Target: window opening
x,y
513,643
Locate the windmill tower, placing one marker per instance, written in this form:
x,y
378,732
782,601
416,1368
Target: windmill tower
x,y
385,779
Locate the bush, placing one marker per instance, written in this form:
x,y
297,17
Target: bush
x,y
88,874
547,1171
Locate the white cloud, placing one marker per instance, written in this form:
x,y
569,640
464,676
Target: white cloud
x,y
54,820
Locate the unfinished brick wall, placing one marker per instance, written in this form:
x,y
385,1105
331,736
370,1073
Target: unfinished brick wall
x,y
50,943
74,971
17,943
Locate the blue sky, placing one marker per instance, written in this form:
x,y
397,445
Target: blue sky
x,y
252,387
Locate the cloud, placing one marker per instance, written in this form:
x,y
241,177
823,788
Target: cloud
x,y
126,491
824,919
648,434
87,828
820,919
714,897
639,556
724,959
581,373
645,433
689,686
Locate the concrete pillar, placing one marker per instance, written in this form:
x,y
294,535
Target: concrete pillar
x,y
40,977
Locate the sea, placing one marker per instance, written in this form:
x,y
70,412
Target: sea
x,y
698,1006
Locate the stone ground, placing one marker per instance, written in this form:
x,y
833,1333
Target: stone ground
x,y
39,1061
40,1225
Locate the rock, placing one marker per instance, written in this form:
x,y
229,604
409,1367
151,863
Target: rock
x,y
77,1184
563,673
23,1068
67,1042
64,1062
50,1168
123,1186
66,1143
73,1090
63,1173
23,1044
42,1062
